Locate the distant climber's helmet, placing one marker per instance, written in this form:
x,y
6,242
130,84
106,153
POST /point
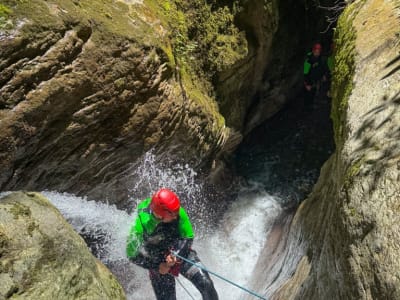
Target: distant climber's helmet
x,y
317,46
165,203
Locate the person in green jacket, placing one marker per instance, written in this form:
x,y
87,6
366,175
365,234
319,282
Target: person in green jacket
x,y
315,71
160,227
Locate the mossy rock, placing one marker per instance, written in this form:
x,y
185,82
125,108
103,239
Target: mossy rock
x,y
5,22
343,73
42,257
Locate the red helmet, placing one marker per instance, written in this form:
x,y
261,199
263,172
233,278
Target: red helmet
x,y
317,46
165,202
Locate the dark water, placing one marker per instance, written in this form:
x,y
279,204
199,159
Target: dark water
x,y
285,154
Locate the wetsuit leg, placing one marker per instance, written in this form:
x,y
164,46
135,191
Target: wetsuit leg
x,y
309,98
200,279
163,285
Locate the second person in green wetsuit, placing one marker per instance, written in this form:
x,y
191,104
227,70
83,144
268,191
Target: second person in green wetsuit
x,y
163,225
315,71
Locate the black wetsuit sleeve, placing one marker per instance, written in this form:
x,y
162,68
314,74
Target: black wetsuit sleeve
x,y
145,261
307,70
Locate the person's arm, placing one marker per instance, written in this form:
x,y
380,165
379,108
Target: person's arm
x,y
136,251
306,73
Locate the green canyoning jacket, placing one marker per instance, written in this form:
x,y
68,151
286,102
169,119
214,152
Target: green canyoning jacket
x,y
314,68
150,240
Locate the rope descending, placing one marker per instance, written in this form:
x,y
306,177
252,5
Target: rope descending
x,y
217,275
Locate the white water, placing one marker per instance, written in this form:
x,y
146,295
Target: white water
x,y
231,249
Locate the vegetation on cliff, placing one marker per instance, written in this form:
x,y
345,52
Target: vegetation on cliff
x,y
342,80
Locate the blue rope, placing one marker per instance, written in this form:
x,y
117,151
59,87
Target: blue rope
x,y
217,275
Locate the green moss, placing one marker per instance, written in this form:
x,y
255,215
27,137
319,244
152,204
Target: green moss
x,y
355,215
344,61
4,242
5,22
197,91
120,83
203,36
32,227
114,16
4,11
353,171
20,210
202,40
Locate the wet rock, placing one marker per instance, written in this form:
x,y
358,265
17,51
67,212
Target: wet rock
x,y
42,257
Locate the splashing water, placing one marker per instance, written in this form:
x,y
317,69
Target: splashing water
x,y
149,175
104,224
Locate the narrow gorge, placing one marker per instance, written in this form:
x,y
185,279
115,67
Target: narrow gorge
x,y
103,102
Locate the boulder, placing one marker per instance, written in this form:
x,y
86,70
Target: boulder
x,y
42,257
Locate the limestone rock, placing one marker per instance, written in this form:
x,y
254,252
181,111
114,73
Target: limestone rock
x,y
42,257
344,239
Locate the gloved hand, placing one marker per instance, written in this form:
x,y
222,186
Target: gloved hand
x,y
164,267
170,260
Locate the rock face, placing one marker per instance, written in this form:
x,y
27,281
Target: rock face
x,y
86,87
42,257
344,239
